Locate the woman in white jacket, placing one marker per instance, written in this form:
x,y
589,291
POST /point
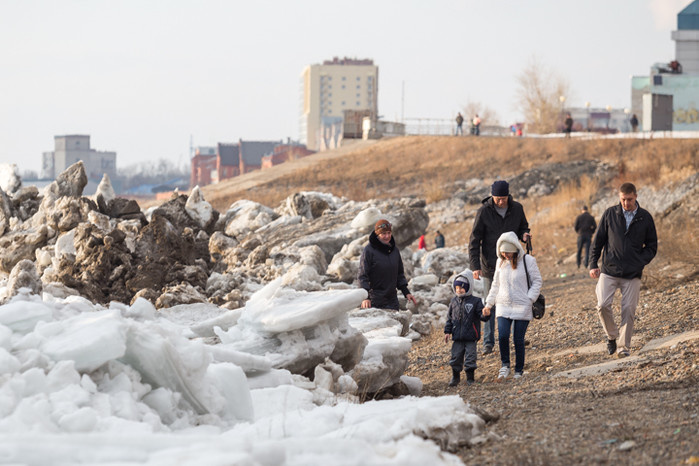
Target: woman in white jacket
x,y
512,299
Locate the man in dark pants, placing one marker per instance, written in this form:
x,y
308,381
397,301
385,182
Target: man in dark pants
x,y
585,227
628,238
498,214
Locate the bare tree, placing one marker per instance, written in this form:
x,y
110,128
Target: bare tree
x,y
487,115
541,97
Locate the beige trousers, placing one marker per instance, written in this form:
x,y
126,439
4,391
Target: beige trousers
x,y
630,290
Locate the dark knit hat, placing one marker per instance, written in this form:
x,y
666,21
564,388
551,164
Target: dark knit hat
x,y
382,225
462,283
500,188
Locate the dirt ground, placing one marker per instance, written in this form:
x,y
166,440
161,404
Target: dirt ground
x,y
644,413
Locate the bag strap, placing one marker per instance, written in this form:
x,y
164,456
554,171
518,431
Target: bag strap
x,y
526,272
524,259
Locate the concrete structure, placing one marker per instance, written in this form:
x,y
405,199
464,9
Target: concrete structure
x,y
598,120
328,90
687,39
679,78
70,149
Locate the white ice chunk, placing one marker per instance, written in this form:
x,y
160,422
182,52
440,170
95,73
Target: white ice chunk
x,y
89,339
22,316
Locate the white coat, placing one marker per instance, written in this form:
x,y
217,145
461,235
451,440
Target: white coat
x,y
509,292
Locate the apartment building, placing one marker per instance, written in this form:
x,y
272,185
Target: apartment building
x,y
327,91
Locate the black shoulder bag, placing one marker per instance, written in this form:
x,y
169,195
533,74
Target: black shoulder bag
x,y
539,306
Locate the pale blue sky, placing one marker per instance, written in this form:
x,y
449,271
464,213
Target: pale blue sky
x,y
142,76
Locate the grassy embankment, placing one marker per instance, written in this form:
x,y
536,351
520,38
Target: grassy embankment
x,y
428,167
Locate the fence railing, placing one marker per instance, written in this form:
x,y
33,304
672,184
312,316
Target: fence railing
x,y
447,127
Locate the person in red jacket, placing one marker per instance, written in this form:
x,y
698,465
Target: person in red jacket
x,y
421,243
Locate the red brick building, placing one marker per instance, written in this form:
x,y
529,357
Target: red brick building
x,y
227,161
203,166
251,153
283,153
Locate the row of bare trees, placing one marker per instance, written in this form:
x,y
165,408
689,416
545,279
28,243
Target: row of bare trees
x,y
539,92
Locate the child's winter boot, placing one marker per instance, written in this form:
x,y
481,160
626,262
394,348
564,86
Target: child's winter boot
x,y
470,376
456,376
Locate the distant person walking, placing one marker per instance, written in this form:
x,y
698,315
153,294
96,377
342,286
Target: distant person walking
x,y
568,125
421,243
634,123
512,299
476,125
585,226
627,241
439,240
381,270
459,124
498,214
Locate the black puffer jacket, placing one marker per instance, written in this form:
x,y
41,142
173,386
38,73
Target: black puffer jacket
x,y
487,228
624,253
465,314
381,273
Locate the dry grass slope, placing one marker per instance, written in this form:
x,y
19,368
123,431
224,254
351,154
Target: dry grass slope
x,y
428,166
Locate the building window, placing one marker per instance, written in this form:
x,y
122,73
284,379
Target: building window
x,y
343,86
344,78
357,104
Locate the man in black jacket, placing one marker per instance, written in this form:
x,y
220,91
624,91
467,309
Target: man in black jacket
x,y
585,227
498,214
627,241
381,270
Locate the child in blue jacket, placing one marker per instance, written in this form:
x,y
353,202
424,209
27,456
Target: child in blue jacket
x,y
464,325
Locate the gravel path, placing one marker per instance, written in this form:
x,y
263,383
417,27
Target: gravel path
x,y
646,412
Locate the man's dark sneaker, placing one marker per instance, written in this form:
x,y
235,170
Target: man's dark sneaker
x,y
611,346
487,350
622,354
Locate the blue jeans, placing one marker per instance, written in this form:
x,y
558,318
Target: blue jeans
x,y
489,325
504,330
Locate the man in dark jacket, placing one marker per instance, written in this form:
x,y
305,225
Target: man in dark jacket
x,y
498,214
627,241
381,270
585,227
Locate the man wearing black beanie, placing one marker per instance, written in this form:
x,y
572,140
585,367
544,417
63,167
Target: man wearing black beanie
x,y
498,214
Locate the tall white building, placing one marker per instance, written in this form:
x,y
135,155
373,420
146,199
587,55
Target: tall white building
x,y
331,89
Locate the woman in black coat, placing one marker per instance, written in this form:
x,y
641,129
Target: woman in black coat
x,y
381,270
